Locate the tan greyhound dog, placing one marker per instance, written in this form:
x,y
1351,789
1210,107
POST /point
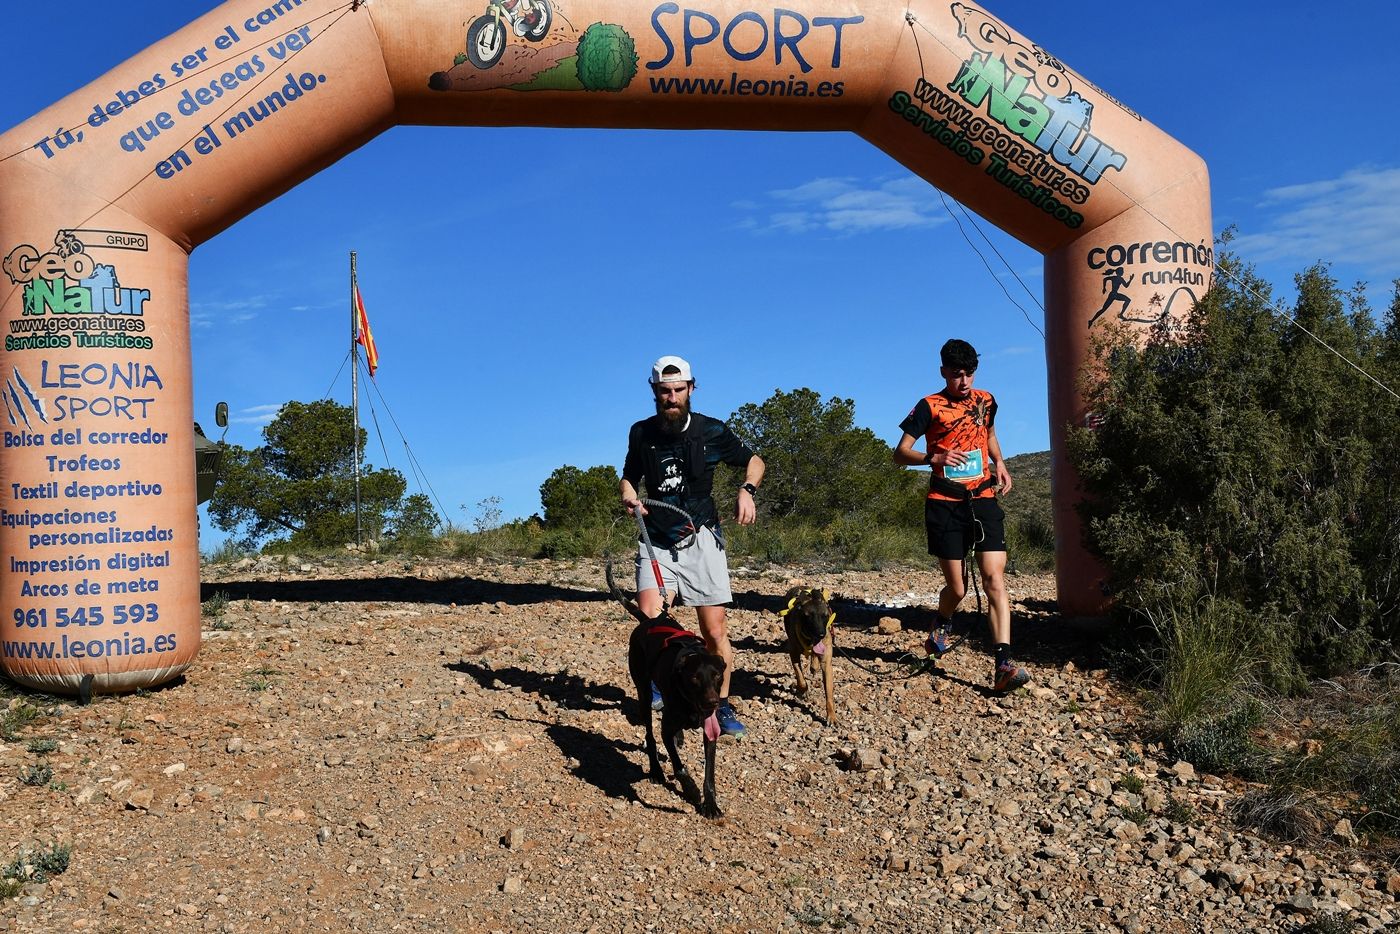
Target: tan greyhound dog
x,y
809,619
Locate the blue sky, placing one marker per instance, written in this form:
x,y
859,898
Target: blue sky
x,y
520,281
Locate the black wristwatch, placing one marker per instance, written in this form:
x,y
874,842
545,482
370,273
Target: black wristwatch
x,y
750,487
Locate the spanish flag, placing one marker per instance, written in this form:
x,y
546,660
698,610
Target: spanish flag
x,y
363,337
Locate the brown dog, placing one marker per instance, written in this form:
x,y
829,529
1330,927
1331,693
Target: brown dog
x,y
809,621
663,653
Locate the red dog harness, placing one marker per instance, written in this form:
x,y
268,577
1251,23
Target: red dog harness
x,y
668,634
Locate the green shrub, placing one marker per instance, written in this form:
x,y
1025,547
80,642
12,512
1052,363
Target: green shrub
x,y
36,865
1372,760
854,543
227,552
36,775
821,467
1179,811
518,539
15,718
1196,658
1030,542
580,499
845,542
563,545
1350,765
417,546
1220,744
1211,471
607,58
1130,783
1198,661
857,544
262,678
51,862
1284,812
415,526
1244,495
215,606
764,543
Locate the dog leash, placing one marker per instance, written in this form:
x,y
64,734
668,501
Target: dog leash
x,y
905,667
969,568
646,540
651,555
969,574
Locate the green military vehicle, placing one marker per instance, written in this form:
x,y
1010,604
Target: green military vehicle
x,y
207,455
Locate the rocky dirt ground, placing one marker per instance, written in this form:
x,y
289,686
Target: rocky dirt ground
x,y
436,746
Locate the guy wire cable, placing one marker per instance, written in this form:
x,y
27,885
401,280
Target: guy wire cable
x,y
988,265
913,20
413,458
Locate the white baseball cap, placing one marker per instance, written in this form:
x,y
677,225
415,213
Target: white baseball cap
x,y
665,363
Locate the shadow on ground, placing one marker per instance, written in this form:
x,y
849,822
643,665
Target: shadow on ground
x,y
463,591
601,762
568,691
1040,637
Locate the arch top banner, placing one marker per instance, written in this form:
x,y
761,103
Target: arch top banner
x,y
108,190
208,124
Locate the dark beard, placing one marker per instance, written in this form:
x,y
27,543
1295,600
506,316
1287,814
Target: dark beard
x,y
673,420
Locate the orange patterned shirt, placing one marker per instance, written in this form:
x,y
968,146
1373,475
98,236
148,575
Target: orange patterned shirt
x,y
958,425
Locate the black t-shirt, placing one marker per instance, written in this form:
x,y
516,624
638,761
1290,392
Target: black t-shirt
x,y
680,471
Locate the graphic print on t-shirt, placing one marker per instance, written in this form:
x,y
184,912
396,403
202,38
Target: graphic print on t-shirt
x,y
979,412
672,476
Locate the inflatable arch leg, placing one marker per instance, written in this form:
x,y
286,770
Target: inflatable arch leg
x,y
99,535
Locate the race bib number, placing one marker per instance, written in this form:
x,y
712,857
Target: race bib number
x,y
969,470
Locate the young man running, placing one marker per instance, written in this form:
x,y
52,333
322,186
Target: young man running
x,y
676,451
961,512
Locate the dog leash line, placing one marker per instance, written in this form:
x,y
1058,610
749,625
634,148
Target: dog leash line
x,y
651,554
908,666
646,541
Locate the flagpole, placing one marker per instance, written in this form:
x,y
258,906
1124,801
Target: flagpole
x,y
355,389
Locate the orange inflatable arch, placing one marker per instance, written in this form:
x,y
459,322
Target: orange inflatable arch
x,y
111,188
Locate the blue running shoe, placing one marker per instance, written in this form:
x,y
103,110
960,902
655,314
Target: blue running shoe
x,y
656,702
729,724
940,639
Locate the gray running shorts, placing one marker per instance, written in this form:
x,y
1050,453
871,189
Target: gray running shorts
x,y
696,575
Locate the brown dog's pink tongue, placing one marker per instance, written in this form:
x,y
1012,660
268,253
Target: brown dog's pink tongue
x,y
712,728
819,648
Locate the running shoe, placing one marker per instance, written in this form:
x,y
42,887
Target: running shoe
x,y
1008,676
940,640
729,724
656,702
